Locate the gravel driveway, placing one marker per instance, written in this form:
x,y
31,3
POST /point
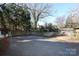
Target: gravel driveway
x,y
37,46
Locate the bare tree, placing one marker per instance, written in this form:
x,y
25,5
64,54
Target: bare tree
x,y
73,18
39,11
60,21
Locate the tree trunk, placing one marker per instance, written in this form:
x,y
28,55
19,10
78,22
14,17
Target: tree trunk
x,y
35,26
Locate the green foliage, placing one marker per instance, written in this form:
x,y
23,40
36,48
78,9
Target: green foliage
x,y
49,28
14,17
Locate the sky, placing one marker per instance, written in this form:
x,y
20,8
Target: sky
x,y
61,9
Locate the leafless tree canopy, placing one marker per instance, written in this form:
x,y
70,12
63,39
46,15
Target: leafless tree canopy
x,y
60,21
39,11
73,18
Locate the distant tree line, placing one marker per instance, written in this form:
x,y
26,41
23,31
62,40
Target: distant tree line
x,y
70,21
48,27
